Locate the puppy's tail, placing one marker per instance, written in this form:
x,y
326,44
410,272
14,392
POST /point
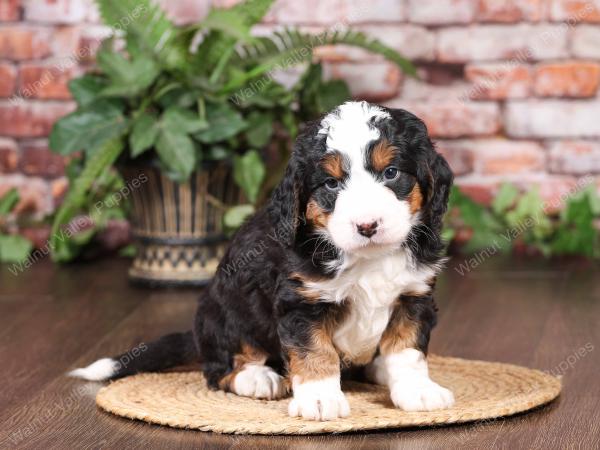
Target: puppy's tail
x,y
168,351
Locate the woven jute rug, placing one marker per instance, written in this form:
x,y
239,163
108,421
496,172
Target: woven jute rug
x,y
483,391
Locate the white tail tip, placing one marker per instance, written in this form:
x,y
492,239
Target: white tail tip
x,y
100,370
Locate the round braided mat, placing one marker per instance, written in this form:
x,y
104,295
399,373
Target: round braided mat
x,y
483,390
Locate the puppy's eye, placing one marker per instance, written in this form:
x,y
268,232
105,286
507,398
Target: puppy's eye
x,y
390,173
332,184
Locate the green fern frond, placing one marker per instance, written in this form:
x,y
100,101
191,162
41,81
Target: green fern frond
x,y
290,47
216,43
94,167
147,29
253,11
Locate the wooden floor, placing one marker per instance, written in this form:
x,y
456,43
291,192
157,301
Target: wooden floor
x,y
535,313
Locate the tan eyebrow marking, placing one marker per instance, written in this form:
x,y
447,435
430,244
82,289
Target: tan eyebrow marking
x,y
382,155
333,164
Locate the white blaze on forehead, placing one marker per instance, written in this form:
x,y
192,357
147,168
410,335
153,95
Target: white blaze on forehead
x,y
348,130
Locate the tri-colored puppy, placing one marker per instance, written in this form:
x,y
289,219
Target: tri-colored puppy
x,y
336,272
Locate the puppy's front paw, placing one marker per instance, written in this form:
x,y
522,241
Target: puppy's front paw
x,y
259,382
420,395
319,400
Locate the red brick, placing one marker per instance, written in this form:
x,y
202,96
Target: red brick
x,y
458,155
47,80
382,83
478,188
38,160
552,118
89,42
412,41
34,195
495,81
57,11
21,118
518,43
499,156
8,155
8,76
65,41
420,89
308,12
505,157
185,11
574,157
453,118
359,11
20,42
510,11
573,11
438,12
584,43
567,79
10,10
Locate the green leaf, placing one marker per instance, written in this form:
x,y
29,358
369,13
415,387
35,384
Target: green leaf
x,y
292,47
249,172
223,122
143,134
217,152
183,120
228,21
260,129
147,30
95,165
8,201
87,88
128,78
331,94
505,198
14,248
235,216
176,151
88,128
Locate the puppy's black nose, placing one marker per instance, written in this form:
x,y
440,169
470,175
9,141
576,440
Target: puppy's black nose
x,y
367,229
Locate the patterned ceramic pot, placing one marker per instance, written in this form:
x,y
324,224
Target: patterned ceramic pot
x,y
178,226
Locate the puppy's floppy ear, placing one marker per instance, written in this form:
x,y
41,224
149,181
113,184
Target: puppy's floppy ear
x,y
433,173
440,181
284,207
434,177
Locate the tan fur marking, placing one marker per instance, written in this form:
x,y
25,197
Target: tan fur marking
x,y
310,295
248,355
401,333
317,362
382,155
315,214
415,199
333,164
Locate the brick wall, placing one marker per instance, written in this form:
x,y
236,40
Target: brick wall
x,y
508,88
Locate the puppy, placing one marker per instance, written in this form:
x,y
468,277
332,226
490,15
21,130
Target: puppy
x,y
336,272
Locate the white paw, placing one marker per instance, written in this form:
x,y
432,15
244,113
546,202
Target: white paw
x,y
420,395
319,400
258,382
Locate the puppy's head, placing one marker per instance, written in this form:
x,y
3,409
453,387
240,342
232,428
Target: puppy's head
x,y
367,179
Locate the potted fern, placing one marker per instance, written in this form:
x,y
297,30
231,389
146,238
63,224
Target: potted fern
x,y
189,115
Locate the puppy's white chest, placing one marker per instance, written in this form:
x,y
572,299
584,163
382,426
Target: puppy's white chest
x,y
369,289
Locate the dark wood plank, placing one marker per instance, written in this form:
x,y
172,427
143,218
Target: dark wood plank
x,y
535,313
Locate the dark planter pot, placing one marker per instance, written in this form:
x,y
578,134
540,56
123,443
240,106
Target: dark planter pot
x,y
177,227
